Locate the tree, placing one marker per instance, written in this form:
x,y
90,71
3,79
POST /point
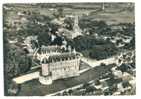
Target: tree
x,y
24,64
97,82
44,38
70,91
13,88
13,55
90,89
102,51
57,41
69,23
113,88
37,24
65,93
107,92
125,84
85,85
130,45
10,64
123,67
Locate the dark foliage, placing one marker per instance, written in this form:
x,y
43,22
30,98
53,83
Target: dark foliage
x,y
123,67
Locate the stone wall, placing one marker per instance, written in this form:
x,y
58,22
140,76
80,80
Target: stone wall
x,y
64,69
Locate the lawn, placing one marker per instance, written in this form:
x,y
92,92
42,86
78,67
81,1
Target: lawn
x,y
34,88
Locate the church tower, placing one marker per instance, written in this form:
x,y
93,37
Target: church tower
x,y
76,29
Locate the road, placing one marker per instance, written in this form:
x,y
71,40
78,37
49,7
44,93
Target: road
x,y
90,62
94,63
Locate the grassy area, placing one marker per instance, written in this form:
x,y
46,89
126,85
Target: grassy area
x,y
116,18
34,88
113,13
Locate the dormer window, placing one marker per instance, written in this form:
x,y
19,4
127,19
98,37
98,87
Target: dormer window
x,y
44,61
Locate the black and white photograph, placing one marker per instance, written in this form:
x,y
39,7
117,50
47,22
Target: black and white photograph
x,y
69,49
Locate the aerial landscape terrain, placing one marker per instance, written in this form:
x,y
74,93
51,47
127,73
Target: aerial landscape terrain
x,y
69,49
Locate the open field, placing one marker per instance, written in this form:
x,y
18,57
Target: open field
x,y
113,13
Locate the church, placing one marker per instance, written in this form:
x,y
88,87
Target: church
x,y
56,64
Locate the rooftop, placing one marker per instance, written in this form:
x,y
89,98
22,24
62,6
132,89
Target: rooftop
x,y
62,56
51,48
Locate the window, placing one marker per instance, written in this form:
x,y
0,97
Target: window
x,y
64,69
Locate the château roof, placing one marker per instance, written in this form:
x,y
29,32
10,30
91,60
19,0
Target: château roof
x,y
62,56
51,48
